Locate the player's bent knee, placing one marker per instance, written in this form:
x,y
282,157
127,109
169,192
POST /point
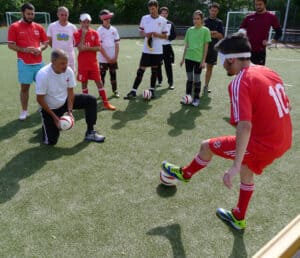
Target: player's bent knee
x,y
205,146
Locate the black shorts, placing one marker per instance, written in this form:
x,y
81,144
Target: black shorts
x,y
258,58
150,60
212,57
192,66
107,66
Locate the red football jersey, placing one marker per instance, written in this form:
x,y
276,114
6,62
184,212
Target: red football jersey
x,y
257,95
87,60
25,34
258,27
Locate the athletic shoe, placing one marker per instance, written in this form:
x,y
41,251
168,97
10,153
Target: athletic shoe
x,y
109,106
130,95
116,94
93,136
228,218
196,102
206,89
23,115
152,94
174,171
171,87
159,84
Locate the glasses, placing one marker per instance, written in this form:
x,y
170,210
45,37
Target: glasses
x,y
196,19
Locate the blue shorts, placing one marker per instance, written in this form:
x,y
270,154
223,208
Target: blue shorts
x,y
27,72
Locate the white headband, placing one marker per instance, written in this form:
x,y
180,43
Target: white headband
x,y
233,55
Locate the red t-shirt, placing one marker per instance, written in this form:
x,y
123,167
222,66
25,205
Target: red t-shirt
x,y
87,60
258,27
25,34
257,95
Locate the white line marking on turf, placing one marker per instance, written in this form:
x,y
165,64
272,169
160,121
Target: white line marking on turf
x,y
288,85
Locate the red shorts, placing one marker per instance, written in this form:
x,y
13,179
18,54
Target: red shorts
x,y
224,146
85,75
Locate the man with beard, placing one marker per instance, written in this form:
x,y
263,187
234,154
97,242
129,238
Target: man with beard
x,y
257,26
28,39
262,134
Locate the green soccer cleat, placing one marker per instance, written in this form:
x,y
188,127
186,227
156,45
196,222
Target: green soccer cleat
x,y
174,171
228,218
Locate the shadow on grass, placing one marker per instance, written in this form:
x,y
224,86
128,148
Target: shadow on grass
x,y
239,248
166,191
173,234
205,102
28,162
12,128
183,119
135,110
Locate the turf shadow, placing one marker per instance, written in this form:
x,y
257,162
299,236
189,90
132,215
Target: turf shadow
x,y
135,110
166,191
13,127
205,100
28,162
238,248
183,119
173,234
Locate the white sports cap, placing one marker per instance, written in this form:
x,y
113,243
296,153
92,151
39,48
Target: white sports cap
x,y
85,16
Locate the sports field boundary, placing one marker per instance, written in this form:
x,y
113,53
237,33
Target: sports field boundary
x,y
285,244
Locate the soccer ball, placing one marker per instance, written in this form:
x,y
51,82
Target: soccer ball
x,y
186,99
167,180
147,94
66,122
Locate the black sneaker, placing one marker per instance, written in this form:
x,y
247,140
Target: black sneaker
x,y
171,87
206,90
93,136
130,95
116,94
152,94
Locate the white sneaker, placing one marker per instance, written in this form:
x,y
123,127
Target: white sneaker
x,y
196,102
23,115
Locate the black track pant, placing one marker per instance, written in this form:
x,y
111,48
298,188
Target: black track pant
x,y
81,101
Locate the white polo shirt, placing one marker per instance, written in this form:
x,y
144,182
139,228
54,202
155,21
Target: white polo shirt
x,y
62,36
109,37
54,86
158,25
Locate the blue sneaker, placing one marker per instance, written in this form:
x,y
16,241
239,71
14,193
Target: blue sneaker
x,y
174,171
228,218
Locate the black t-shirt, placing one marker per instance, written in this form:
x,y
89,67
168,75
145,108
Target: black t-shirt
x,y
214,24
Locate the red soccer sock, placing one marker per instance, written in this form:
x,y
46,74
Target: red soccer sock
x,y
85,91
102,94
246,192
196,164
